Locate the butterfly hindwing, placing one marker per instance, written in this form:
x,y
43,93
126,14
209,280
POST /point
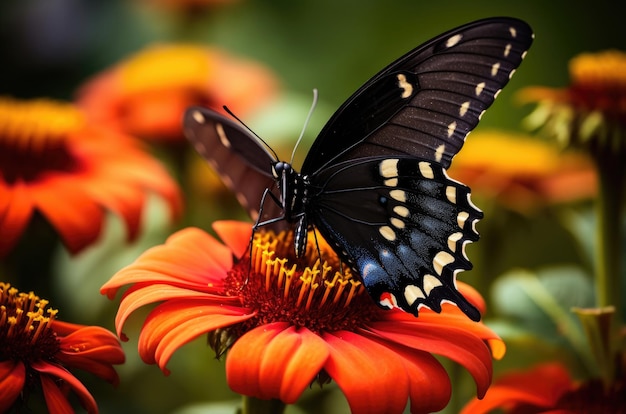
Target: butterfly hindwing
x,y
425,103
403,230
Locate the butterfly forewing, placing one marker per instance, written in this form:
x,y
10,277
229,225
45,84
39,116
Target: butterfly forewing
x,y
425,103
243,163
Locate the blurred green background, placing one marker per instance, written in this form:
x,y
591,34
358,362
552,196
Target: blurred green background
x,y
50,47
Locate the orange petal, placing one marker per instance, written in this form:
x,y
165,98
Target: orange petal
x,y
371,376
55,399
189,257
175,323
429,381
93,349
246,357
235,234
453,342
76,217
12,378
141,295
287,361
540,387
16,208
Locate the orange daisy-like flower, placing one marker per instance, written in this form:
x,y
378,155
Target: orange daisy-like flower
x,y
592,110
523,173
55,163
286,323
146,94
36,351
549,388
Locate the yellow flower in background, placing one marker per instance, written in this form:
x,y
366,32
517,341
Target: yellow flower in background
x,y
592,109
146,94
522,173
55,163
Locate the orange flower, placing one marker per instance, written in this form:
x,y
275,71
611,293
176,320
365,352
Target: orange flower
x,y
523,173
285,323
549,388
146,94
36,351
53,162
592,110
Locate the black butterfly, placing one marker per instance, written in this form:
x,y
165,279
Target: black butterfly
x,y
374,182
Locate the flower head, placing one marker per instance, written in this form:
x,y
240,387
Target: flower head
x,y
146,94
592,110
55,163
37,351
523,173
286,323
549,388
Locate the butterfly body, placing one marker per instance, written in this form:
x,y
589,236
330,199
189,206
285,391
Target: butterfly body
x,y
374,182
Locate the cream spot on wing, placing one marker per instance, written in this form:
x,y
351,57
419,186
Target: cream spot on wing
x,y
397,223
426,170
398,195
198,117
479,88
430,282
387,232
451,128
507,50
413,293
453,239
451,194
453,40
464,108
389,168
401,211
513,31
441,259
439,152
461,218
407,88
494,68
391,182
222,135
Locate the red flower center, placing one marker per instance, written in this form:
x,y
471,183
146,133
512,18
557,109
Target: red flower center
x,y
25,333
278,287
33,139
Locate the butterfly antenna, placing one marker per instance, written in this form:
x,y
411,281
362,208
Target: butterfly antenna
x,y
229,112
306,122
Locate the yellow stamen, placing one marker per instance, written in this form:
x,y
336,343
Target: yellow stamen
x,y
270,257
23,313
37,124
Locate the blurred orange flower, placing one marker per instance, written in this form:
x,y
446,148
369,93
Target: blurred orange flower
x,y
146,94
548,388
523,173
592,110
55,163
36,351
286,323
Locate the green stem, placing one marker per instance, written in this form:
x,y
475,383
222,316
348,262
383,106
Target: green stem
x,y
253,405
608,242
608,236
